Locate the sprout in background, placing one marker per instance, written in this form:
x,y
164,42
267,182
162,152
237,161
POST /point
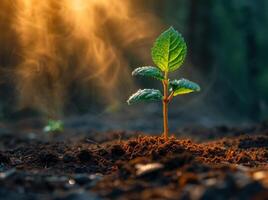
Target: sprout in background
x,y
168,53
54,126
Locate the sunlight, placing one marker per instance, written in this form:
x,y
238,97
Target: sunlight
x,y
83,41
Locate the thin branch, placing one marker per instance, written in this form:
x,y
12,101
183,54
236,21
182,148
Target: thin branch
x,y
170,97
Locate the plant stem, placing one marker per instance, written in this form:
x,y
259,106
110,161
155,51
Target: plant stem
x,y
165,106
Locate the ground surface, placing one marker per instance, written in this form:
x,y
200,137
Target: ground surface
x,y
129,165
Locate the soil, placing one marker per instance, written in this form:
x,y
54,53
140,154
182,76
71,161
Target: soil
x,y
124,165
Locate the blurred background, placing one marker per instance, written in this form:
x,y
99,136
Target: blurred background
x,y
72,60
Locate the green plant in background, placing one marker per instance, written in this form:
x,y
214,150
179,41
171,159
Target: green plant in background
x,y
168,53
54,126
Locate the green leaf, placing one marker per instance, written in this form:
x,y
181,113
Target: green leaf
x,y
169,50
145,95
183,86
54,126
149,72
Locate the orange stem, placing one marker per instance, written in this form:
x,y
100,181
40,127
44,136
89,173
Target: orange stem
x,y
165,107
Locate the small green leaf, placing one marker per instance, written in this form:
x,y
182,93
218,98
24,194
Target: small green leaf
x,y
169,50
149,72
145,95
54,126
183,86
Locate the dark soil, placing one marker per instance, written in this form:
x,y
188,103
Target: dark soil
x,y
119,165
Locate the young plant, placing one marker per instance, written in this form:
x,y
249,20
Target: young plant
x,y
54,126
168,53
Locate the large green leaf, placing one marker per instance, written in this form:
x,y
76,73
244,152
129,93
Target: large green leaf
x,y
183,86
149,72
169,50
145,95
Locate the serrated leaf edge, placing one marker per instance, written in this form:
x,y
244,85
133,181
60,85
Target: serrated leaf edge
x,y
198,88
139,91
135,73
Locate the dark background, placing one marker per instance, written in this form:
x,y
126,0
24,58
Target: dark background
x,y
227,47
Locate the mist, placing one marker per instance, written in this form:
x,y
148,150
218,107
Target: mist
x,y
60,48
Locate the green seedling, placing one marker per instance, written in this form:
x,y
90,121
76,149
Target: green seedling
x,y
54,126
168,54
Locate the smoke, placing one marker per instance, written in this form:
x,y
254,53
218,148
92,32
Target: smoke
x,y
82,45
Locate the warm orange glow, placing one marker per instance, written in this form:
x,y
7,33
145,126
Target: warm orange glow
x,y
83,41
